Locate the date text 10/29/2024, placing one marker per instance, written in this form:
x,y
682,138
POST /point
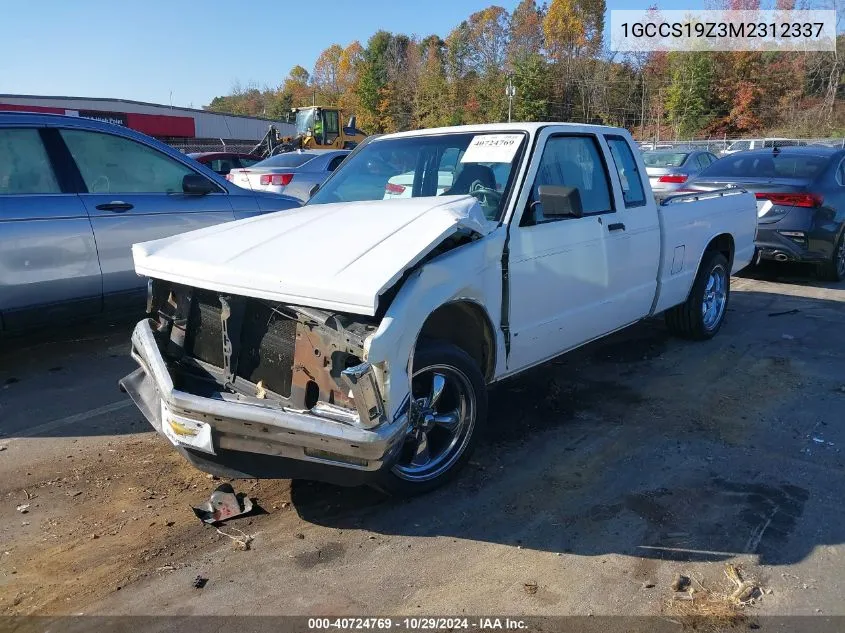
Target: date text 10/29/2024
x,y
417,624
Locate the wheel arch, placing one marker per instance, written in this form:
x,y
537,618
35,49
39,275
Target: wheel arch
x,y
465,323
721,243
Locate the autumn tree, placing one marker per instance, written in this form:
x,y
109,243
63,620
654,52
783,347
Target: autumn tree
x,y
349,69
572,35
526,32
487,32
326,75
555,53
458,74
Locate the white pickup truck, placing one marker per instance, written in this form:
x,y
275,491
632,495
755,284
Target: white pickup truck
x,y
353,340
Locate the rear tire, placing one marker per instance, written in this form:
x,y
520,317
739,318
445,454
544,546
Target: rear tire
x,y
702,314
451,395
834,270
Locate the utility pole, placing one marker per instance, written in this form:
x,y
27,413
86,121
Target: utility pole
x,y
659,110
510,91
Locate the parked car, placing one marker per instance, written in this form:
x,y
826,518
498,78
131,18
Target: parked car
x,y
669,170
759,143
402,185
360,334
291,173
800,195
224,162
75,194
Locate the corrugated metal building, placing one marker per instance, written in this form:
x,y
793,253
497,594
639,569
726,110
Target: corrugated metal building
x,y
161,121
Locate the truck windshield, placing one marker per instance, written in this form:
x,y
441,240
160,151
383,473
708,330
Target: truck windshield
x,y
482,165
304,121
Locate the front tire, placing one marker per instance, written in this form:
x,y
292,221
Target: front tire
x,y
834,270
450,407
702,314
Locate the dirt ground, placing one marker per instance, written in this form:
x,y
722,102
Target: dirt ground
x,y
602,476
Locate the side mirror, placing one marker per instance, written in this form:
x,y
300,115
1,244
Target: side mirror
x,y
313,190
353,122
197,185
560,201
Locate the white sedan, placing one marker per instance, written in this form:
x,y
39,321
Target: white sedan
x,y
293,173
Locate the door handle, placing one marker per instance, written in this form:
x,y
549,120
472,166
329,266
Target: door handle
x,y
618,226
118,206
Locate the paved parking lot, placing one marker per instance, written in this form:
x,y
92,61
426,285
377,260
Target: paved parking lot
x,y
602,476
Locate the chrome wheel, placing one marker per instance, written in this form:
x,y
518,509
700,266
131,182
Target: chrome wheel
x,y
715,297
442,413
840,258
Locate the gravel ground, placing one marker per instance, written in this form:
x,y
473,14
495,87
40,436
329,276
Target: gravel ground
x,y
602,476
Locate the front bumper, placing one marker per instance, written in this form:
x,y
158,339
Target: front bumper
x,y
258,439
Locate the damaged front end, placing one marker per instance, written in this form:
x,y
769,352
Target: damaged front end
x,y
248,387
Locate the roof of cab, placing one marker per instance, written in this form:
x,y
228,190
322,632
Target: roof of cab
x,y
530,127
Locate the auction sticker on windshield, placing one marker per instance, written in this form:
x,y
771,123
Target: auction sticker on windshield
x,y
492,148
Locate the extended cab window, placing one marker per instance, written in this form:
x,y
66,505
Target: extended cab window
x,y
25,168
113,164
633,193
571,161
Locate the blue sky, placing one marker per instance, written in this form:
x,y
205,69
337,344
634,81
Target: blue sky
x,y
146,49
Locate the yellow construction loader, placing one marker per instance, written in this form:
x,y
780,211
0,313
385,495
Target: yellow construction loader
x,y
317,127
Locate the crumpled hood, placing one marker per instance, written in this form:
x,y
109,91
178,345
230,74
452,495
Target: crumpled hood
x,y
338,256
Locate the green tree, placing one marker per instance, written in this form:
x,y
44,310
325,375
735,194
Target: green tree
x,y
431,107
372,81
531,80
689,94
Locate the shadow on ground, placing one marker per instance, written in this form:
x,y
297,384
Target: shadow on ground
x,y
792,273
62,382
650,447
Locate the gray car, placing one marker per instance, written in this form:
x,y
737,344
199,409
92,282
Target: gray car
x,y
292,173
75,194
669,170
800,195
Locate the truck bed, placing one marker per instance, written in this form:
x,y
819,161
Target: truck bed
x,y
688,222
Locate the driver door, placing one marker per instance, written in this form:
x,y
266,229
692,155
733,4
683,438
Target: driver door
x,y
560,277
